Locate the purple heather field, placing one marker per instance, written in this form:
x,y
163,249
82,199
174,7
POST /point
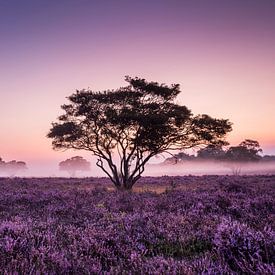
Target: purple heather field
x,y
167,225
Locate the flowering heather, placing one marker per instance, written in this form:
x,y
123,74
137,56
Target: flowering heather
x,y
189,225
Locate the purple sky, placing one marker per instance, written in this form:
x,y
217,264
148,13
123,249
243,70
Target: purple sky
x,y
221,52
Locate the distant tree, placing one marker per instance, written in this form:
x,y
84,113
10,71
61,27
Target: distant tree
x,y
268,158
13,167
74,164
248,150
137,122
179,158
252,145
211,152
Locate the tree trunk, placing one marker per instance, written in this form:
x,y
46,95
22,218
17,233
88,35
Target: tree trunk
x,y
124,185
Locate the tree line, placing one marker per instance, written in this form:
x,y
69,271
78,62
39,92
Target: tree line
x,y
71,166
247,151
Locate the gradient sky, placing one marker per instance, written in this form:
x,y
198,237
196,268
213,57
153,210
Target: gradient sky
x,y
222,52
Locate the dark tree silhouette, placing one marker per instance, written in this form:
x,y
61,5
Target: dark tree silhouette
x,y
12,167
138,122
211,152
247,150
74,164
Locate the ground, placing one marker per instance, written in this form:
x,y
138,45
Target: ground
x,y
167,225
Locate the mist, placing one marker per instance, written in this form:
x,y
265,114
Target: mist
x,y
199,168
51,169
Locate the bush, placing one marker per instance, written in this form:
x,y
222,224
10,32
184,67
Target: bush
x,y
244,249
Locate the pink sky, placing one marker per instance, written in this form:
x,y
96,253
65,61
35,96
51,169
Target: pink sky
x,y
222,54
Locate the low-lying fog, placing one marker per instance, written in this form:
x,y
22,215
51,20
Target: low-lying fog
x,y
210,168
179,169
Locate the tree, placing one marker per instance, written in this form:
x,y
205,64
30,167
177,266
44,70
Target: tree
x,y
248,150
253,147
211,152
137,122
12,167
74,164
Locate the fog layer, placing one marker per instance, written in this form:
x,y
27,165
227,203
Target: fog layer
x,y
179,169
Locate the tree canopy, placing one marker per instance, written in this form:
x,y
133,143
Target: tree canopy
x,y
211,152
133,123
247,150
12,167
74,164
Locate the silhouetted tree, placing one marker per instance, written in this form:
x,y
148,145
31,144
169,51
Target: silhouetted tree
x,y
138,122
247,150
74,164
211,152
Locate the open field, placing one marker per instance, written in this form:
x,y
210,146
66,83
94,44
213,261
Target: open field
x,y
168,225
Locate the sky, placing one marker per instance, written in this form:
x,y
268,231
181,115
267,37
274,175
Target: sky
x,y
221,53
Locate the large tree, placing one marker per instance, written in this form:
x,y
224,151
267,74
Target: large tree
x,y
125,128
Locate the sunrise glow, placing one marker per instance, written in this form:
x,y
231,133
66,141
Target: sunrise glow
x,y
221,53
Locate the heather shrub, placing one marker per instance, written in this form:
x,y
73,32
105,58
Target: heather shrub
x,y
61,226
178,250
236,187
223,202
244,249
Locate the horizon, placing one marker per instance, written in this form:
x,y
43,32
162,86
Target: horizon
x,y
220,53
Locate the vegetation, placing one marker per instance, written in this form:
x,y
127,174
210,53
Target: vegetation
x,y
11,168
212,152
74,164
136,122
205,225
247,151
